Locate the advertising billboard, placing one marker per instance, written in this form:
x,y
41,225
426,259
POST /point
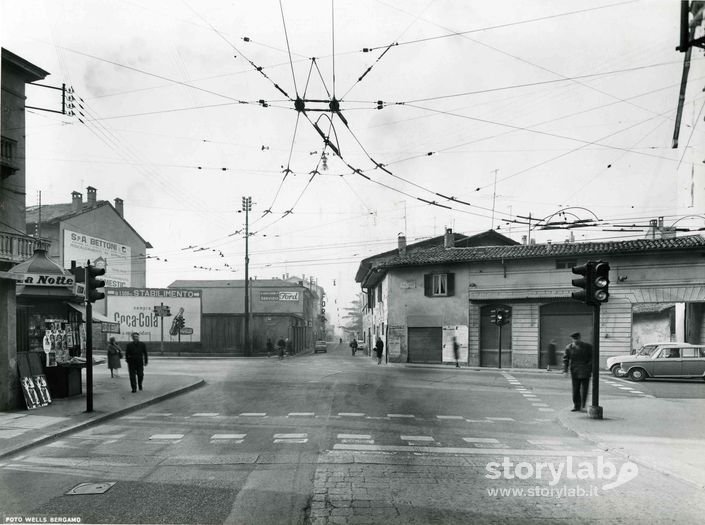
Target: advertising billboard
x,y
136,310
114,257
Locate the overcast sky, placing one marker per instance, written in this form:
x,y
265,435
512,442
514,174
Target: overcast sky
x,y
521,107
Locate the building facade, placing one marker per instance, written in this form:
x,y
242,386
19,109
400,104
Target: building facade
x,y
278,309
94,230
15,245
422,297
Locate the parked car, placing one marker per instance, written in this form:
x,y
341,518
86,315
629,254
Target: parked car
x,y
320,346
645,352
665,360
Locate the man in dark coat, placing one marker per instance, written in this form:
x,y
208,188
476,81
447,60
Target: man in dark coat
x,y
136,357
379,348
578,357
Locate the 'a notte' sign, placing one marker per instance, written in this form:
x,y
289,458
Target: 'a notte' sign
x,y
38,279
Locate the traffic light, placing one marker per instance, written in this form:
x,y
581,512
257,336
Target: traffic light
x,y
500,317
181,322
93,285
585,282
601,282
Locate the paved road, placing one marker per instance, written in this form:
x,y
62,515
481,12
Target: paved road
x,y
332,438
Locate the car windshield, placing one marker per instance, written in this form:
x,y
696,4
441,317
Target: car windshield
x,y
647,350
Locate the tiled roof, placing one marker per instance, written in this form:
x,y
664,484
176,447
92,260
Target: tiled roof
x,y
438,254
61,212
58,212
486,238
441,255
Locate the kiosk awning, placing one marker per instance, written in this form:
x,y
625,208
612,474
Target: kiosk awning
x,y
96,316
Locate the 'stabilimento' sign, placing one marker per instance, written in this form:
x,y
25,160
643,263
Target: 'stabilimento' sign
x,y
133,309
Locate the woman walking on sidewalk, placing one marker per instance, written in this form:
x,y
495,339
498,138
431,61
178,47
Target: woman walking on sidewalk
x,y
114,356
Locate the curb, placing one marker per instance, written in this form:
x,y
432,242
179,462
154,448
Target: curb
x,y
100,419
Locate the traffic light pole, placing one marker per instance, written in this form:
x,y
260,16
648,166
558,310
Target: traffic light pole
x,y
595,411
499,346
161,315
89,356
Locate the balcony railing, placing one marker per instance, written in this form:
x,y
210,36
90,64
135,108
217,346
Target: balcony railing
x,y
16,248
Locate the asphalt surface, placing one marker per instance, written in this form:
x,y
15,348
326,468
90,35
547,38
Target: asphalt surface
x,y
332,438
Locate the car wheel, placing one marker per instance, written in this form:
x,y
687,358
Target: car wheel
x,y
615,370
637,374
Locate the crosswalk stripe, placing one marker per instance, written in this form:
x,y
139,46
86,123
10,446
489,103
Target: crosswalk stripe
x,y
354,436
481,440
253,414
166,436
400,415
295,414
449,417
546,410
290,436
351,414
501,419
292,440
228,436
466,450
206,414
416,438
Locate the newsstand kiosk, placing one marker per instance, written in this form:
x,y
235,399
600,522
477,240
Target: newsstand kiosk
x,y
51,331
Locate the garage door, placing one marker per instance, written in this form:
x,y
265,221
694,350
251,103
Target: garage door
x,y
426,345
558,321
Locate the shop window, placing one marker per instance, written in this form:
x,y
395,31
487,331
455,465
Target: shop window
x,y
439,284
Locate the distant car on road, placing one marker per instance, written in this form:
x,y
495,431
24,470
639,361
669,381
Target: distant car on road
x,y
320,346
662,360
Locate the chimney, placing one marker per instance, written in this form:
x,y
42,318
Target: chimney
x,y
523,240
76,201
448,239
91,196
401,240
548,246
118,206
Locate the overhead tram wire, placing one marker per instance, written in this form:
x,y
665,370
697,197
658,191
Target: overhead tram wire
x,y
288,48
554,135
257,68
508,24
536,124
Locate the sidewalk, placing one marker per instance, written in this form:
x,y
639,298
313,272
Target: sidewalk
x,y
662,434
665,435
21,429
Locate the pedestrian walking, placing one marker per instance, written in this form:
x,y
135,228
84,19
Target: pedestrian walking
x,y
289,346
270,347
456,352
114,356
551,354
136,357
379,348
578,357
281,345
353,346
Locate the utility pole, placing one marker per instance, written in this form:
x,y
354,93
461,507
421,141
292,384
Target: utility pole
x,y
247,207
494,197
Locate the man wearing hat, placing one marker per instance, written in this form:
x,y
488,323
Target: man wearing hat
x,y
578,356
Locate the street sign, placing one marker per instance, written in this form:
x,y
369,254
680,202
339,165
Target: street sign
x,y
110,328
186,331
79,289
